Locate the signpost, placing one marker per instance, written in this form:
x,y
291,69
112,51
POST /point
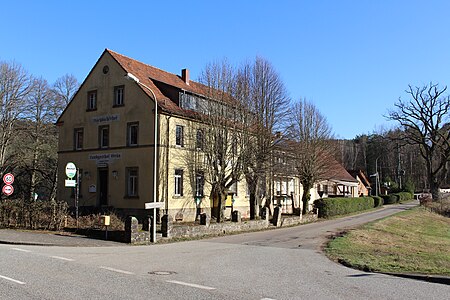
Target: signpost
x,y
71,171
8,178
8,189
153,205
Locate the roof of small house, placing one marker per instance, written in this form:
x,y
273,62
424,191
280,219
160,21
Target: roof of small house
x,y
361,175
336,171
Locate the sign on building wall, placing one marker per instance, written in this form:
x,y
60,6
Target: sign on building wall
x,y
105,119
105,158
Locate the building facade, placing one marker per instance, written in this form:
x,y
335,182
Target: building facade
x,y
109,130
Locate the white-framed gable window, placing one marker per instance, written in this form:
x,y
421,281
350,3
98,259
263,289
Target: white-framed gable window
x,y
92,100
119,95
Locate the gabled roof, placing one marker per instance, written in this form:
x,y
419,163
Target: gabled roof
x,y
336,171
361,176
155,79
151,77
333,170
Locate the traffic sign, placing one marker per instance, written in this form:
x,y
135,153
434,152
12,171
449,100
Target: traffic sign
x,y
150,205
8,178
8,190
70,183
71,170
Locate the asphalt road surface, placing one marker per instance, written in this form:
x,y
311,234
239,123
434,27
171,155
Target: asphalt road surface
x,y
276,264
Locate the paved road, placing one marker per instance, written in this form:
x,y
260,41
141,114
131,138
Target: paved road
x,y
262,265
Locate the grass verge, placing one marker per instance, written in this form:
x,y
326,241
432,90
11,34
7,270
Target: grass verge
x,y
415,241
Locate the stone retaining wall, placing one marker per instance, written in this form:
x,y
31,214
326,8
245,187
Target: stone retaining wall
x,y
172,230
216,228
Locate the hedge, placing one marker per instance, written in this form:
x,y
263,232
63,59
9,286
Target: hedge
x,y
391,198
397,197
378,201
329,207
404,196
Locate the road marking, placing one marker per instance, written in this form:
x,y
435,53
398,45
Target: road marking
x,y
267,299
62,258
192,285
21,250
13,280
116,270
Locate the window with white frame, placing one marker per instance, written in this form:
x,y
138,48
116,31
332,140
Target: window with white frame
x,y
118,95
92,100
103,136
234,188
199,184
78,138
178,182
132,134
199,139
132,182
278,187
179,135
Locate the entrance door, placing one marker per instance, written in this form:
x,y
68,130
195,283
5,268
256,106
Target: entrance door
x,y
103,186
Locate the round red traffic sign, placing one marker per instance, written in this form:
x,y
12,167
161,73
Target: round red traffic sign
x,y
8,190
8,178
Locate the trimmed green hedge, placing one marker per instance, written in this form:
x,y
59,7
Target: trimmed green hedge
x,y
404,196
377,201
390,199
329,207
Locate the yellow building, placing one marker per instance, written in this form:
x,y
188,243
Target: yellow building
x,y
108,132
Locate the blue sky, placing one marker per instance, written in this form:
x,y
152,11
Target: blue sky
x,y
353,59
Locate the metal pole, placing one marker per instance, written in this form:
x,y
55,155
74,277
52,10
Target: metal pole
x,y
155,156
376,176
77,191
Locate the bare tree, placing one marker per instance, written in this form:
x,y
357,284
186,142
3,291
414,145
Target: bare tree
x,y
221,117
310,134
64,88
425,122
41,146
263,94
15,87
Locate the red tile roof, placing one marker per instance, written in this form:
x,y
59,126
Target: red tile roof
x,y
150,76
336,171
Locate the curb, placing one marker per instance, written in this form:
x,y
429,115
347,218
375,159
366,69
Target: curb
x,y
26,243
428,278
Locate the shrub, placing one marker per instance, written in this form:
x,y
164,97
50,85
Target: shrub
x,y
329,207
390,199
92,221
404,196
33,215
377,201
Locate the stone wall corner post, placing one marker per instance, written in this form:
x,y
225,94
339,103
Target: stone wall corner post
x,y
166,225
131,229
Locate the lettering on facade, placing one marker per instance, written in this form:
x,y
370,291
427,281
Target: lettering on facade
x,y
104,159
105,119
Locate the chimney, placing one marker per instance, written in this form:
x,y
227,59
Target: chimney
x,y
185,76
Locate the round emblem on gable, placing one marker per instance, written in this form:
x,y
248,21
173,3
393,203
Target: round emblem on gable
x,y
105,69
